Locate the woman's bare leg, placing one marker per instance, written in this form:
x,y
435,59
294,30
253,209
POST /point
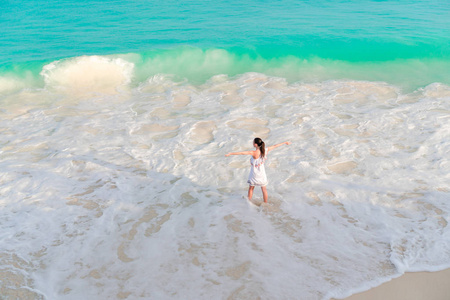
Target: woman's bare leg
x,y
250,192
264,191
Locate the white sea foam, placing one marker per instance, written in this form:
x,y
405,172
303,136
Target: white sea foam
x,y
88,74
135,199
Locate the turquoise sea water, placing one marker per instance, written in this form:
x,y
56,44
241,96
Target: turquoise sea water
x,y
115,118
394,41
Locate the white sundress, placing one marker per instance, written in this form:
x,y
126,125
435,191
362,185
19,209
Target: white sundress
x,y
257,176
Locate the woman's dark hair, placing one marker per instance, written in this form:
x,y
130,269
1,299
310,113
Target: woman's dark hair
x,y
261,146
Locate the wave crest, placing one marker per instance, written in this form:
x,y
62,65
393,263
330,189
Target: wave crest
x,y
88,74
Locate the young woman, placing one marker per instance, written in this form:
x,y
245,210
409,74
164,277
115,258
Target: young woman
x,y
257,176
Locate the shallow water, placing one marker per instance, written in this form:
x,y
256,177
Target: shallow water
x,y
114,191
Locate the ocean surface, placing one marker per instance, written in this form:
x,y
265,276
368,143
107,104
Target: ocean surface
x,y
115,118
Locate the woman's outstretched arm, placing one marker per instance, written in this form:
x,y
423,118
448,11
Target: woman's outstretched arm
x,y
277,145
240,153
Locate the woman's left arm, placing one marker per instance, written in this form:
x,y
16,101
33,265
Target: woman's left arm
x,y
277,145
240,153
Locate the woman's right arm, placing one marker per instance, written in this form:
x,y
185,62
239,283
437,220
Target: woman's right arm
x,y
277,145
240,153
